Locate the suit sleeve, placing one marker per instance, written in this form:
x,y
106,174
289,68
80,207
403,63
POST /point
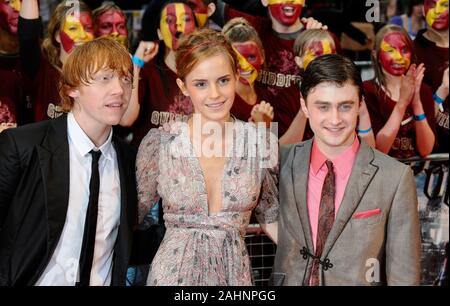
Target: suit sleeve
x,y
403,235
9,172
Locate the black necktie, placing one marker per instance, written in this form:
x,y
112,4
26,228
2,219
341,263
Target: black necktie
x,y
90,225
326,219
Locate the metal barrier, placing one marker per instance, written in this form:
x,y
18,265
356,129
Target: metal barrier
x,y
431,175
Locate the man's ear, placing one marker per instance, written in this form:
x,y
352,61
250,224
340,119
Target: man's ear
x,y
160,37
265,3
304,108
299,61
182,87
211,9
73,93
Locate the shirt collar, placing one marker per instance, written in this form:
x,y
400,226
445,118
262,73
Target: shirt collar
x,y
81,141
342,163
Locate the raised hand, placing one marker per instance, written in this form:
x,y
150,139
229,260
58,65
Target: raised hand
x,y
262,112
418,78
311,23
146,50
407,87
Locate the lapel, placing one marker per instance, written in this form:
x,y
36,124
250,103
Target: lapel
x,y
300,172
53,154
125,217
362,174
122,246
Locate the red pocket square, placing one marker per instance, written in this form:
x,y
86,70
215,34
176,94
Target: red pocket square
x,y
366,214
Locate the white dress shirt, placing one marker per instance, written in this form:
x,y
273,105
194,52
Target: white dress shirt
x,y
62,269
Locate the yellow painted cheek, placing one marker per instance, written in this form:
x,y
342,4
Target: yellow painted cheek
x,y
308,58
246,66
430,17
441,7
15,4
165,31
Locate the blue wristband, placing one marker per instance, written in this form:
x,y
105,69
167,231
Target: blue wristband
x,y
364,131
437,99
420,117
139,62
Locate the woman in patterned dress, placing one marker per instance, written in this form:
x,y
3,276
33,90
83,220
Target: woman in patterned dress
x,y
209,182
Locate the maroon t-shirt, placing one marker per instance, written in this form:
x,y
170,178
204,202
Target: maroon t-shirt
x,y
242,110
280,74
380,107
45,93
10,91
436,61
160,99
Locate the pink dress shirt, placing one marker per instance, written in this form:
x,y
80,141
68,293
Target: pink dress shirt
x,y
342,165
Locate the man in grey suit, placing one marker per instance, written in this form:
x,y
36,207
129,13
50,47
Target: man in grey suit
x,y
348,213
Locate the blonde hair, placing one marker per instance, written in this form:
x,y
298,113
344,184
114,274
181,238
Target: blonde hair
x,y
200,45
390,28
304,40
50,47
238,30
86,60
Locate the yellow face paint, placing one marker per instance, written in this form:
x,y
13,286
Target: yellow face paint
x,y
316,49
15,4
246,67
201,19
76,31
297,2
121,39
176,19
437,14
394,54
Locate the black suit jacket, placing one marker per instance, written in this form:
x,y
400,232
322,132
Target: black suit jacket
x,y
34,196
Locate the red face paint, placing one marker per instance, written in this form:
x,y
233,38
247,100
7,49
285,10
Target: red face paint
x,y
113,24
200,11
176,19
76,31
286,12
9,15
394,54
251,52
316,49
249,62
436,14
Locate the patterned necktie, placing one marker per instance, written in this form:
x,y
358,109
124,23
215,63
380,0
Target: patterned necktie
x,y
326,219
90,225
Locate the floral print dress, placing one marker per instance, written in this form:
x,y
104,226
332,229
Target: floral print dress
x,y
199,248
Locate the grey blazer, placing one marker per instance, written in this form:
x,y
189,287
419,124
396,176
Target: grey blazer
x,y
375,239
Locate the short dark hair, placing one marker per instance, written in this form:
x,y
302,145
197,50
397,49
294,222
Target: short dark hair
x,y
331,68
